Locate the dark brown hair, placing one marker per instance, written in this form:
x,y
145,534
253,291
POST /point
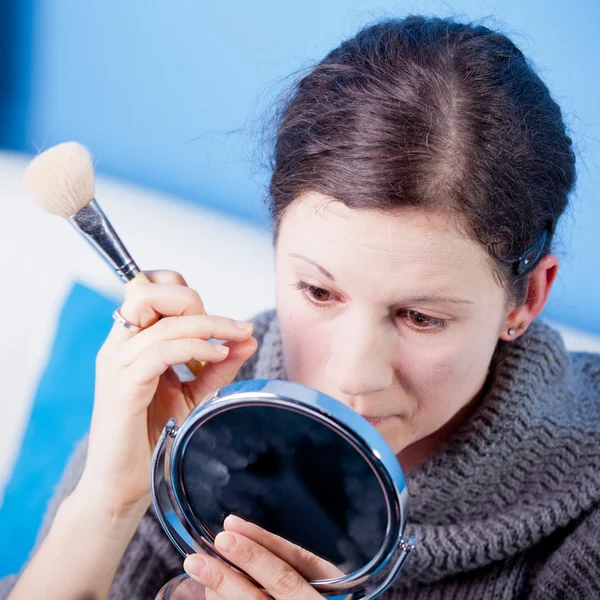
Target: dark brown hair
x,y
431,113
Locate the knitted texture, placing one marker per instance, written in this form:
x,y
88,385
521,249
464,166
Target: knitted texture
x,y
508,508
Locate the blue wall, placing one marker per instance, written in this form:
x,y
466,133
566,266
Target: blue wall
x,y
170,94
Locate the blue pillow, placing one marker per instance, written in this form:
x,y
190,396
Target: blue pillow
x,y
60,417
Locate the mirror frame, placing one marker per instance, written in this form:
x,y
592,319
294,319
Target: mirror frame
x,y
171,503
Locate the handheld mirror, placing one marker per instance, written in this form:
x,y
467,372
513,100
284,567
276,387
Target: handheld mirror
x,y
297,464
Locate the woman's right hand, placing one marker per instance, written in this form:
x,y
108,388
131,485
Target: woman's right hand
x,y
136,392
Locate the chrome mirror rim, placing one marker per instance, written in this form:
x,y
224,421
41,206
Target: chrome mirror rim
x,y
172,506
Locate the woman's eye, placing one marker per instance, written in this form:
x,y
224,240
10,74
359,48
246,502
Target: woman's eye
x,y
315,294
414,318
418,320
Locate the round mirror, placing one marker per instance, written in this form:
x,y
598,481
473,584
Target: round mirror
x,y
295,463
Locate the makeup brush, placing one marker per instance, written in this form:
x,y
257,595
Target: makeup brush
x,y
60,180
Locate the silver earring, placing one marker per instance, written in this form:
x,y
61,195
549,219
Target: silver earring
x,y
512,331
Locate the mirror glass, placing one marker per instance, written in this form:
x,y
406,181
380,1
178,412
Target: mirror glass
x,y
291,475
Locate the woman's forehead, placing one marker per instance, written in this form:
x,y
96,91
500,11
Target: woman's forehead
x,y
317,219
427,252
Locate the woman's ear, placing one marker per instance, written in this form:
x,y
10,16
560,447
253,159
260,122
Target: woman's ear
x,y
539,285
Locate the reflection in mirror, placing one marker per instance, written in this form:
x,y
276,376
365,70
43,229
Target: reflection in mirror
x,y
293,476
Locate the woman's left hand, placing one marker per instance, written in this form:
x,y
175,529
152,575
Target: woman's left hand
x,y
280,567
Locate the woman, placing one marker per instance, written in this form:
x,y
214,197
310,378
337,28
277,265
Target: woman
x,y
419,173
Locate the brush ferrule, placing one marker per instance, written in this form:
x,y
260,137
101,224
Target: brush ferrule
x,y
96,229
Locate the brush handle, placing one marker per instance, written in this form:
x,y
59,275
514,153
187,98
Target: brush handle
x,y
193,365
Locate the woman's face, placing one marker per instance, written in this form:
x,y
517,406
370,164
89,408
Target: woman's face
x,y
395,315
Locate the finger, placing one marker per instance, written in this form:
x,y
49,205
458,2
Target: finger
x,y
309,565
222,581
202,327
277,577
146,303
156,276
216,375
157,359
165,276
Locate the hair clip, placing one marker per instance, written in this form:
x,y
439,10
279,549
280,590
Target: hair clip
x,y
531,255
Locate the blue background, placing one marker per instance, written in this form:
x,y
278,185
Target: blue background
x,y
173,94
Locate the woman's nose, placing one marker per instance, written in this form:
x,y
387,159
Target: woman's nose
x,y
358,364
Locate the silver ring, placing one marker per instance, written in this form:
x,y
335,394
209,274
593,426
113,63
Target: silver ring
x,y
118,317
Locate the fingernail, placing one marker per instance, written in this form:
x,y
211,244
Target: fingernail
x,y
234,519
245,325
226,541
194,565
222,349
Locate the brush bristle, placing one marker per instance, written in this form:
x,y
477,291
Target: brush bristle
x,y
61,179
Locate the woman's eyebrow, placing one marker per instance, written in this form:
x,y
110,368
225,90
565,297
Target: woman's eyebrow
x,y
441,299
408,300
314,264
